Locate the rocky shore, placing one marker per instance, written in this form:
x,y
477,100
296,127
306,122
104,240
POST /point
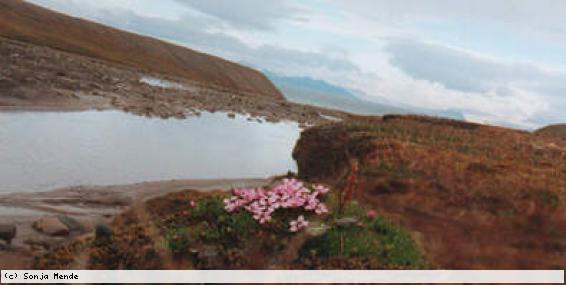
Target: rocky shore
x,y
45,79
34,223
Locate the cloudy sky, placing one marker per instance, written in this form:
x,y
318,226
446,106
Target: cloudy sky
x,y
496,61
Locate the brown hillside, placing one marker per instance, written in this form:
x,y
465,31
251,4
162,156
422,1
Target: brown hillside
x,y
30,23
477,197
558,130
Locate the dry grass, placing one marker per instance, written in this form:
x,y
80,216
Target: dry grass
x,y
476,196
556,131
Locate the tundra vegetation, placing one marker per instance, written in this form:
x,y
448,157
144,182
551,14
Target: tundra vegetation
x,y
393,192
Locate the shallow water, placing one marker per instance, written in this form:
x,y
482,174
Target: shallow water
x,y
156,82
44,151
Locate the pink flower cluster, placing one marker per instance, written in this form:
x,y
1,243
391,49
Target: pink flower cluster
x,y
289,194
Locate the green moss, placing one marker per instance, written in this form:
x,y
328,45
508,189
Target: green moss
x,y
398,246
178,240
376,239
209,223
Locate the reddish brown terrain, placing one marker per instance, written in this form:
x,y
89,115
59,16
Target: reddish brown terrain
x,y
26,22
557,131
470,196
475,196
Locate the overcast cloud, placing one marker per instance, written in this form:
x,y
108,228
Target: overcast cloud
x,y
500,62
249,14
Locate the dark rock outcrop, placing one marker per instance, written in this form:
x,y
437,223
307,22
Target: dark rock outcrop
x,y
321,153
8,233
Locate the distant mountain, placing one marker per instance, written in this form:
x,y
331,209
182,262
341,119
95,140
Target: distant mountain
x,y
308,84
320,93
306,90
22,21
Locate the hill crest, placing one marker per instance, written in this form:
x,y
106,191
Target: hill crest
x,y
26,22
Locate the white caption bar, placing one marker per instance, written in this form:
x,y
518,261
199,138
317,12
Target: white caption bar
x,y
282,276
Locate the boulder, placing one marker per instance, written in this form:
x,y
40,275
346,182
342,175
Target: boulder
x,y
51,226
7,233
347,221
316,229
72,224
102,232
322,153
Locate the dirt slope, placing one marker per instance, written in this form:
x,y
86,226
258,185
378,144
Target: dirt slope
x,y
30,23
558,130
477,197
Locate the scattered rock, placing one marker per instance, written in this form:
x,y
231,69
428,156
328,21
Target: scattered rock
x,y
231,115
41,244
52,226
317,229
7,233
348,221
72,224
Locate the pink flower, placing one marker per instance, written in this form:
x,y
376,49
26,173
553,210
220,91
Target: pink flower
x,y
298,224
192,203
321,189
321,209
290,193
371,214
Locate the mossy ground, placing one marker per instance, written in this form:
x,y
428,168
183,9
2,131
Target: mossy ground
x,y
167,233
379,242
382,243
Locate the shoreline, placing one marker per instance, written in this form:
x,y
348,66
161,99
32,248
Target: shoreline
x,y
79,83
89,205
96,198
52,109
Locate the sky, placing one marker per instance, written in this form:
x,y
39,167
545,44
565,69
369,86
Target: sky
x,y
500,62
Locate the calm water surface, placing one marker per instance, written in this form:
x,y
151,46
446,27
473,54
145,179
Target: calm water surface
x,y
43,151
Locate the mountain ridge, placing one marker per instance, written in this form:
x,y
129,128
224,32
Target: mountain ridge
x,y
309,83
316,92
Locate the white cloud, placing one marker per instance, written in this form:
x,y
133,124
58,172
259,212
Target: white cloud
x,y
537,18
500,100
248,14
462,70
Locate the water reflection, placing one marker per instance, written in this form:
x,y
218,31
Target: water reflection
x,y
42,151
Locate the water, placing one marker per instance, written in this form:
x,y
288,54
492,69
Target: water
x,y
156,82
43,151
